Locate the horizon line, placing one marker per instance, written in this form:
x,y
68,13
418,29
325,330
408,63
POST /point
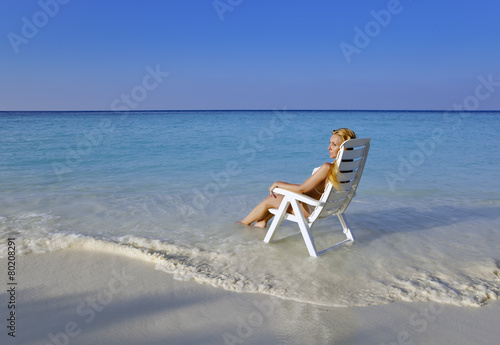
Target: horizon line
x,y
247,110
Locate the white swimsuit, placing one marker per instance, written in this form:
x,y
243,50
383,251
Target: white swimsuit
x,y
317,191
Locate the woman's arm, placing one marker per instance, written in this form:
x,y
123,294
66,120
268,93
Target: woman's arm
x,y
308,185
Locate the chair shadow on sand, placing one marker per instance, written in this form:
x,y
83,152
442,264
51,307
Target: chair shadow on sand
x,y
370,226
374,225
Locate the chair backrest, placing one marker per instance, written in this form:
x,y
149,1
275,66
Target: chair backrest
x,y
351,160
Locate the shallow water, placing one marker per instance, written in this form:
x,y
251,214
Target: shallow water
x,y
167,187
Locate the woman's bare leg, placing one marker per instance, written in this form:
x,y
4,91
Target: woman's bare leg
x,y
263,223
260,213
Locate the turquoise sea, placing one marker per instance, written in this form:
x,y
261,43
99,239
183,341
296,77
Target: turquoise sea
x,y
167,187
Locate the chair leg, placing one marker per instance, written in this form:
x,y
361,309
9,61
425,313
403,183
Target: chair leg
x,y
278,218
305,229
345,226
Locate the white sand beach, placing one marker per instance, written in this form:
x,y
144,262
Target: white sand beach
x,y
74,296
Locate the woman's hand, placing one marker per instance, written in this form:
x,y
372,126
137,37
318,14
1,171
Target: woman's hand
x,y
273,186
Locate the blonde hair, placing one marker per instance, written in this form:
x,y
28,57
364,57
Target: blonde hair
x,y
333,174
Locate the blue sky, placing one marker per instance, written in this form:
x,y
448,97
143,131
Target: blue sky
x,y
249,54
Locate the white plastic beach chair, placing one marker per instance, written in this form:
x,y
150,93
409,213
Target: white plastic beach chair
x,y
351,159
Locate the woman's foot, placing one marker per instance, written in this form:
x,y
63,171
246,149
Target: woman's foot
x,y
261,224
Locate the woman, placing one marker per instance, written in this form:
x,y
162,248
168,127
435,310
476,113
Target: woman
x,y
314,186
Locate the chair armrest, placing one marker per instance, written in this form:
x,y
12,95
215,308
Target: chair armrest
x,y
300,197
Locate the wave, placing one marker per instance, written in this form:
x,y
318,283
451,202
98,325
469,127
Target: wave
x,y
241,271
